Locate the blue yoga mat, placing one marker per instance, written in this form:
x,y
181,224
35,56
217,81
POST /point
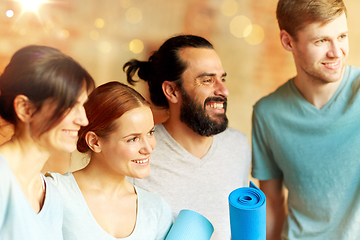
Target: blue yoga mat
x,y
190,225
247,213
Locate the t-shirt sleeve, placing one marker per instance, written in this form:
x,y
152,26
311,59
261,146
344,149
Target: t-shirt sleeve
x,y
264,166
165,220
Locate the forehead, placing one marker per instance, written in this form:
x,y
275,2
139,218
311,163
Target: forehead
x,y
136,120
315,30
201,60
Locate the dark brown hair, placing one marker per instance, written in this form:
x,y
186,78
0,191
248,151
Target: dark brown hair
x,y
164,64
106,104
42,73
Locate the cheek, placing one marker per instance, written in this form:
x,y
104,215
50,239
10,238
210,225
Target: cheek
x,y
127,153
152,142
345,49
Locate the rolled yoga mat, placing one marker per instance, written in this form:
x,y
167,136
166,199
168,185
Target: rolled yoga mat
x,y
247,213
190,225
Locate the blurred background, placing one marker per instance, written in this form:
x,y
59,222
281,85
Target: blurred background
x,y
103,35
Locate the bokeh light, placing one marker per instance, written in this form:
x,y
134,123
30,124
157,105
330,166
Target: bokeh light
x,y
31,4
133,15
136,46
229,7
239,26
9,13
256,36
105,47
64,33
99,23
94,35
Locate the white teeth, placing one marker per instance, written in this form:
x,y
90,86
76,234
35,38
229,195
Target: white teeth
x,y
217,105
72,133
330,64
141,161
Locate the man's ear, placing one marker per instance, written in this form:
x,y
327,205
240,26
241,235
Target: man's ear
x,y
23,108
286,40
92,141
171,91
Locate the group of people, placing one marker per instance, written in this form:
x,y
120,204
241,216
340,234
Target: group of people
x,y
304,138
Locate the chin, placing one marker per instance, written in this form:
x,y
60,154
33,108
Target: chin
x,y
68,149
141,175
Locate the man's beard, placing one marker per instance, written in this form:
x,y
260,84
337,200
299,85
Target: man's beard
x,y
195,117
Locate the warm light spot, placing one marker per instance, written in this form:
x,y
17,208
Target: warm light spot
x,y
256,36
229,8
239,26
105,47
248,30
31,4
64,33
125,3
136,46
9,13
99,23
94,34
133,15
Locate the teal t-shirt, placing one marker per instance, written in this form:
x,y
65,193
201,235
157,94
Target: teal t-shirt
x,y
18,220
317,153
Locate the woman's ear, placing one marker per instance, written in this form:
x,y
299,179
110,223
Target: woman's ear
x,y
171,91
23,108
92,141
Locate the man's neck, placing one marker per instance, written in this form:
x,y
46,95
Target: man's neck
x,y
191,141
316,92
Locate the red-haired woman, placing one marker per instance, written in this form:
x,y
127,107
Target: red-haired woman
x,y
99,203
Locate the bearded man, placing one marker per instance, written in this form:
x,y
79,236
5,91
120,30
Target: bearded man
x,y
198,160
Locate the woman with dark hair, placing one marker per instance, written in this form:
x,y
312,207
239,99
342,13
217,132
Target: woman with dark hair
x,y
42,92
99,203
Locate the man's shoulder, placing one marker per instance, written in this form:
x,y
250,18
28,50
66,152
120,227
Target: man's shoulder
x,y
282,95
231,135
353,71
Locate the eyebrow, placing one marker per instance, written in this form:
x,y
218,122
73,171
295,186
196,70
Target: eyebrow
x,y
325,37
206,74
137,134
132,135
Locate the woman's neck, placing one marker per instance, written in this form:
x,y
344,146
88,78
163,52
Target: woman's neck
x,y
26,161
24,157
95,177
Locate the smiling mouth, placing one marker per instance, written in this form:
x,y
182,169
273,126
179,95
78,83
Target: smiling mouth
x,y
73,133
215,105
141,161
332,64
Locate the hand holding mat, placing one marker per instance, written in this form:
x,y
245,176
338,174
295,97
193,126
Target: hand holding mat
x,y
190,225
247,213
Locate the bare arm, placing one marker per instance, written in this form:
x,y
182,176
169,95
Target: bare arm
x,y
275,207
